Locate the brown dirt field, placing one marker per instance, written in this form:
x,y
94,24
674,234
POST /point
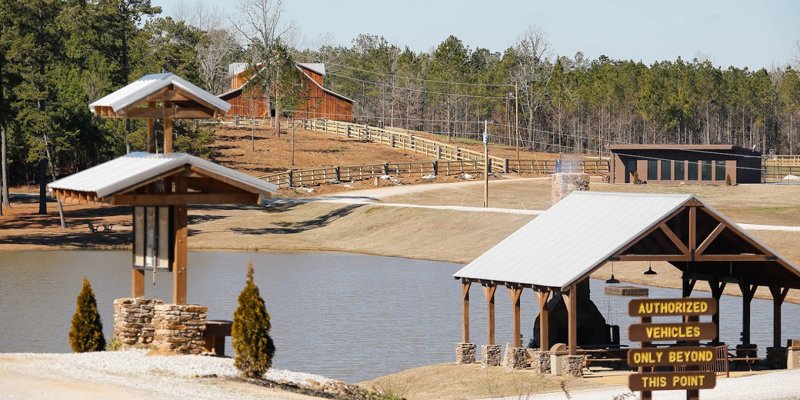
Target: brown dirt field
x,y
457,382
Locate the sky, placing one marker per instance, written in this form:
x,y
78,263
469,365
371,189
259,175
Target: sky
x,y
752,34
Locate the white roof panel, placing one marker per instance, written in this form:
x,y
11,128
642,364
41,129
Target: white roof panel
x,y
572,238
316,67
145,86
134,168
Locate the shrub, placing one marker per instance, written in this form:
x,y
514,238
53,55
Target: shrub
x,y
635,178
86,333
252,345
728,179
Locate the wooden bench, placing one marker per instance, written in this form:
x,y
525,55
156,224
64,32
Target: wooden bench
x,y
215,333
100,228
749,361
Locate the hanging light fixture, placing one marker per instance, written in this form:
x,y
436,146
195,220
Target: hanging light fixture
x,y
612,280
650,271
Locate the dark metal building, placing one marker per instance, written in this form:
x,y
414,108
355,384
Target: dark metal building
x,y
685,163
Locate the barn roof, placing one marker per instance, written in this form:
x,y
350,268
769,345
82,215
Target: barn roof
x,y
331,92
316,67
587,229
148,85
129,171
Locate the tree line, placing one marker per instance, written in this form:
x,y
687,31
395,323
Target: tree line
x,y
57,56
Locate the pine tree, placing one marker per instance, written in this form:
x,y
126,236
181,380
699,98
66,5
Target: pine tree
x,y
86,333
253,347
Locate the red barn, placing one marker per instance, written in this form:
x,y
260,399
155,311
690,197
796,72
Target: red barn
x,y
318,101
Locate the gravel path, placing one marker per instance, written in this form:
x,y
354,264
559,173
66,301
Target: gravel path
x,y
134,373
781,385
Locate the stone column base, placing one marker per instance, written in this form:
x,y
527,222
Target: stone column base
x,y
491,355
516,358
465,353
133,321
793,360
180,328
540,361
776,356
572,366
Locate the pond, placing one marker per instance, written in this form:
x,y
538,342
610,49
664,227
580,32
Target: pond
x,y
345,316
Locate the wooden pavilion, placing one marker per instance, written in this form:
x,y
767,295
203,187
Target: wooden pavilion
x,y
586,230
160,186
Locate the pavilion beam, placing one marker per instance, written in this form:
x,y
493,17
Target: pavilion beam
x,y
180,223
465,284
717,286
488,292
542,295
167,134
778,295
571,301
651,257
168,199
674,238
710,239
137,283
151,138
692,232
748,291
688,285
514,293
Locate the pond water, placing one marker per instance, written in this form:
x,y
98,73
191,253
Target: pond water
x,y
345,316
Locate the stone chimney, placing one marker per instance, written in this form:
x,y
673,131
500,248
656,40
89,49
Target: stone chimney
x,y
565,183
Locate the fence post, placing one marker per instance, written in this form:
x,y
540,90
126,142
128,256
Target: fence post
x,y
386,168
413,145
438,152
348,131
505,165
391,140
366,129
435,168
458,153
291,178
338,173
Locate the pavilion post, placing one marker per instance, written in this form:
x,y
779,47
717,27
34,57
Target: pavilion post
x,y
167,135
465,284
544,315
748,291
137,283
181,236
571,301
151,142
778,295
514,293
717,287
488,292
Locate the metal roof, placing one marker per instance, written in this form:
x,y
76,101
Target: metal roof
x,y
671,147
132,169
316,67
572,238
147,85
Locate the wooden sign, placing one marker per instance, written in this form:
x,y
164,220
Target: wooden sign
x,y
670,307
674,331
672,381
655,357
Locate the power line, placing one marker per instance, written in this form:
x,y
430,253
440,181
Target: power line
x,y
417,90
423,79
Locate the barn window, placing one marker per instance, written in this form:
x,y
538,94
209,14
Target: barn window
x,y
719,170
706,170
652,170
680,173
666,170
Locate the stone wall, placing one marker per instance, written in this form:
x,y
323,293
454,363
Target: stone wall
x,y
491,355
516,357
180,328
133,321
465,353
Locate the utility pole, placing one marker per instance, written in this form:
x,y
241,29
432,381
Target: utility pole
x,y
485,163
516,117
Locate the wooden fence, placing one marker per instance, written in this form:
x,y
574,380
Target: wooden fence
x,y
405,141
313,177
778,168
598,167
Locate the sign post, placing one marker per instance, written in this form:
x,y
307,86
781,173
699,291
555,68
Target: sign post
x,y
690,332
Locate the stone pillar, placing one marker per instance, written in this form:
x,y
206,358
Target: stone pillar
x,y
572,366
179,328
133,321
491,355
564,184
465,353
793,359
516,357
540,361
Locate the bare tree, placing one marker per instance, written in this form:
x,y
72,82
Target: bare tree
x,y
532,72
796,58
261,25
213,53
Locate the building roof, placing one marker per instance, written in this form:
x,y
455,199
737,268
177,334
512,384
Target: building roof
x,y
331,92
316,67
131,170
581,233
148,85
